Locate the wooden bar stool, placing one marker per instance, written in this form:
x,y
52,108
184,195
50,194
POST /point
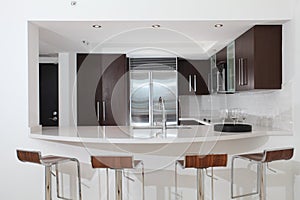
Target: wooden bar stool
x,y
201,163
262,160
48,162
118,163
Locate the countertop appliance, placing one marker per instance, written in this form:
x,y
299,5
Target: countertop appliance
x,y
150,80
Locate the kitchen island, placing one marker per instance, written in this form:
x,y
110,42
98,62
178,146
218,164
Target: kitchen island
x,y
137,135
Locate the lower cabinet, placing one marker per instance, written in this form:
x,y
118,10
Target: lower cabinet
x,y
102,85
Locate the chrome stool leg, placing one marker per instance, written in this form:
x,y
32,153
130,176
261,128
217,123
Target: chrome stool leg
x,y
200,184
262,188
176,192
79,179
143,181
118,183
107,184
48,189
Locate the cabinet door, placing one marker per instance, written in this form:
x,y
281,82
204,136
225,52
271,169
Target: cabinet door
x,y
112,91
88,76
268,56
230,68
244,56
190,80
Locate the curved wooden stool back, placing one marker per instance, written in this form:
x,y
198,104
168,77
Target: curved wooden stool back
x,y
205,161
112,162
29,156
281,154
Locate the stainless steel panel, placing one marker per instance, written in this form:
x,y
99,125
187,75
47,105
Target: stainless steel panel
x,y
139,97
164,84
145,89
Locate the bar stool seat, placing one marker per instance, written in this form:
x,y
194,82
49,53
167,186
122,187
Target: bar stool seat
x,y
201,163
48,162
262,160
118,163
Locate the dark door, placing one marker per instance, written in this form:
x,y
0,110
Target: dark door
x,y
88,77
102,90
244,56
112,91
48,82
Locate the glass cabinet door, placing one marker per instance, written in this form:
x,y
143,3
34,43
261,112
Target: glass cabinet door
x,y
231,67
212,86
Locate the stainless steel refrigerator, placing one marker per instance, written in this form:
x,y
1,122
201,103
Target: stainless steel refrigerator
x,y
151,79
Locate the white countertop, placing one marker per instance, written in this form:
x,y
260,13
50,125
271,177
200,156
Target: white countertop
x,y
129,135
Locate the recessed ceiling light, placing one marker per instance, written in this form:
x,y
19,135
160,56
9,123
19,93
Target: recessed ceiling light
x,y
96,26
73,3
218,25
156,26
85,42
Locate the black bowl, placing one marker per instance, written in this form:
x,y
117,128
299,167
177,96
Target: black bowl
x,y
233,127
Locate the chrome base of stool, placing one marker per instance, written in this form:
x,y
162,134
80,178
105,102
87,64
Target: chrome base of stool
x,y
200,182
261,179
48,182
119,184
48,186
119,173
262,160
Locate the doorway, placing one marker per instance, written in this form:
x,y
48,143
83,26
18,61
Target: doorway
x,y
48,88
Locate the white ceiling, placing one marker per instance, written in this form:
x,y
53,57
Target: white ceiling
x,y
191,39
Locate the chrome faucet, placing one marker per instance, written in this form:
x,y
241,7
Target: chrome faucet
x,y
164,120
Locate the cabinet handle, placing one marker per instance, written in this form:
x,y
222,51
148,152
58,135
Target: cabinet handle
x,y
103,111
240,70
208,82
190,83
218,81
98,111
195,83
245,72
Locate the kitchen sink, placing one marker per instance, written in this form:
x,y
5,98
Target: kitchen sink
x,y
233,127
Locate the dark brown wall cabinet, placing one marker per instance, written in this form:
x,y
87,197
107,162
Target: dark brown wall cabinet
x,y
102,90
193,76
258,55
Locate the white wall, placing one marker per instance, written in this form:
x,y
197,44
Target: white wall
x,y
33,76
64,89
25,181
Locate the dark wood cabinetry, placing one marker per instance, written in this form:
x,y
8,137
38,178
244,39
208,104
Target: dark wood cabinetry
x,y
258,55
193,77
221,57
102,89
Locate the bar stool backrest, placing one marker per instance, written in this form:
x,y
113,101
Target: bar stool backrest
x,y
29,156
112,162
206,161
280,154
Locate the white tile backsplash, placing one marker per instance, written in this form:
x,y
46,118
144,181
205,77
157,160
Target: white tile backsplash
x,y
268,108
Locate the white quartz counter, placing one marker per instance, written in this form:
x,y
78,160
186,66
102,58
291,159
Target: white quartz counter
x,y
130,135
